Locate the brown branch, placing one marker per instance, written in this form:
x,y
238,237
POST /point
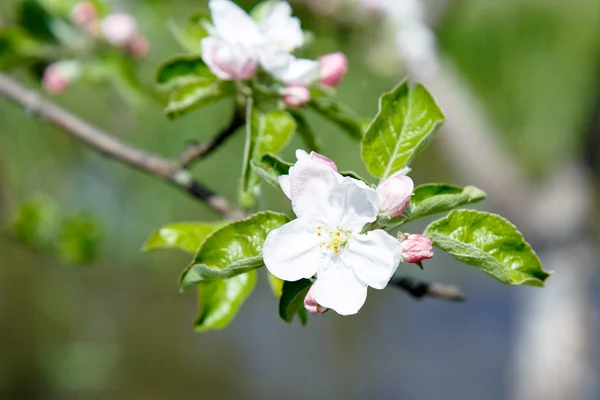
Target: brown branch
x,y
419,289
109,146
196,151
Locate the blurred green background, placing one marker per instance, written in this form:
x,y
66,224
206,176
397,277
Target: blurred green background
x,y
118,327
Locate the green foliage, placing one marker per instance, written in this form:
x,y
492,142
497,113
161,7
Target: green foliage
x,y
489,242
197,94
182,69
186,236
435,198
266,132
408,118
306,132
74,238
36,20
221,299
337,113
233,249
190,33
292,297
79,239
270,167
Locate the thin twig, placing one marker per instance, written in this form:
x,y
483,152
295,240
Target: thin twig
x,y
419,289
107,145
196,151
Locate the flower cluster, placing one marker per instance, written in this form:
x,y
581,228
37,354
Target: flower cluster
x,y
118,29
240,44
331,240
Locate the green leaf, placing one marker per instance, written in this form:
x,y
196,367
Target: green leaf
x,y
197,94
305,131
276,284
35,223
408,118
233,249
436,198
79,239
265,133
190,33
186,236
221,299
36,20
292,298
490,243
182,69
270,167
337,113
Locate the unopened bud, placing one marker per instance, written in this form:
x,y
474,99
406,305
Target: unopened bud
x,y
333,68
138,46
285,181
119,29
296,96
58,76
84,13
310,303
394,195
416,248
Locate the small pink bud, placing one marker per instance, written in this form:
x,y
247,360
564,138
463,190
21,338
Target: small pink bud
x,y
55,79
394,195
138,46
84,13
310,303
296,96
333,68
119,29
416,248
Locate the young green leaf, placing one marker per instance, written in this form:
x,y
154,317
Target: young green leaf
x,y
435,198
197,94
337,113
186,236
292,298
79,239
265,133
221,299
233,249
270,168
489,242
182,69
408,118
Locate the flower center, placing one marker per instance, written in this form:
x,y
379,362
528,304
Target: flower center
x,y
332,239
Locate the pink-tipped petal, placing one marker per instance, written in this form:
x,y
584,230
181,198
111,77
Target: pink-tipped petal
x,y
416,248
394,195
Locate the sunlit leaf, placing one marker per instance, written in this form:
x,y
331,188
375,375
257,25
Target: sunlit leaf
x,y
79,239
220,300
182,69
186,236
490,243
233,249
197,94
408,118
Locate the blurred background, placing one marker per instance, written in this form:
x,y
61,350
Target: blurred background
x,y
519,81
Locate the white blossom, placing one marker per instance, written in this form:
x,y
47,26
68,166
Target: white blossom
x,y
238,42
326,238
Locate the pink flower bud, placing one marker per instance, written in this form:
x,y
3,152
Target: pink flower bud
x,y
394,195
296,96
310,303
55,79
416,248
228,61
333,68
84,13
138,47
119,29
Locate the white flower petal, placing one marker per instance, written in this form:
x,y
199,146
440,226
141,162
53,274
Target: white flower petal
x,y
287,68
355,203
338,288
280,28
374,257
233,24
285,182
310,185
292,252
